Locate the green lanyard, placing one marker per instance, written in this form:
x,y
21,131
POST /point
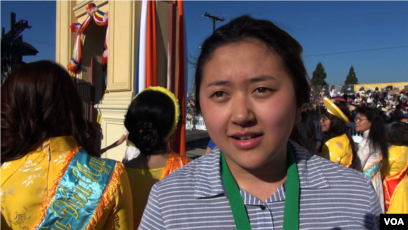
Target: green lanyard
x,y
291,213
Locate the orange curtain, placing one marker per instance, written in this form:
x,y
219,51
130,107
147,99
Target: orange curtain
x,y
151,45
180,94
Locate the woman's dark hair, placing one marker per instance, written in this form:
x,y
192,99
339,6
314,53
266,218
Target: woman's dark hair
x,y
337,128
245,28
39,100
397,134
304,133
376,136
149,120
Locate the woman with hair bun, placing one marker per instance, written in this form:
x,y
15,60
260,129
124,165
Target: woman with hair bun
x,y
395,168
151,119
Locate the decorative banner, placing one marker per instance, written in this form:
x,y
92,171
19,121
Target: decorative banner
x,y
74,64
101,19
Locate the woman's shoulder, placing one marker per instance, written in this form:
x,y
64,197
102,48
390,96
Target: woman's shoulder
x,y
342,139
206,166
397,150
340,177
318,171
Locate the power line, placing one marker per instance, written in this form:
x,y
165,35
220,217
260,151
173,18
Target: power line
x,y
44,43
355,51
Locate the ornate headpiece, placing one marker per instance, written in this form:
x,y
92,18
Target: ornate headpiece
x,y
333,109
176,105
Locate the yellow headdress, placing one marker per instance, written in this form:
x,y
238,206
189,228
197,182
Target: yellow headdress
x,y
176,105
333,109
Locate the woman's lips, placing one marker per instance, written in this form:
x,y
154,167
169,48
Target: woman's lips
x,y
246,143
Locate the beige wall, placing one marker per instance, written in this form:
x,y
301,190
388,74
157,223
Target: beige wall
x,y
124,20
64,39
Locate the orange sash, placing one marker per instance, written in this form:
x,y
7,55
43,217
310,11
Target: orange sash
x,y
390,184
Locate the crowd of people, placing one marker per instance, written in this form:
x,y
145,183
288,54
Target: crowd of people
x,y
261,172
392,103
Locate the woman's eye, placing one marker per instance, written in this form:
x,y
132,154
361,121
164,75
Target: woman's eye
x,y
262,90
218,94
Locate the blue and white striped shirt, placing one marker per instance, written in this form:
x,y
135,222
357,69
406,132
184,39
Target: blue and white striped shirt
x,y
331,197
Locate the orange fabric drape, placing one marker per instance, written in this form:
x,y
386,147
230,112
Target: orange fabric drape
x,y
180,82
390,184
151,45
174,162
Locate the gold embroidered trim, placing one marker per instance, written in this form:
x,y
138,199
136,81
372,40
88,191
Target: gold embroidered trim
x,y
54,186
111,188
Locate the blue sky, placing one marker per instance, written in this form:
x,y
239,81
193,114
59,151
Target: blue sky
x,y
371,36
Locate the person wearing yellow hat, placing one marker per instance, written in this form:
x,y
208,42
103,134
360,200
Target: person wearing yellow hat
x,y
151,119
337,144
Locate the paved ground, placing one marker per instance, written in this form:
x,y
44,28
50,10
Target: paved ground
x,y
196,143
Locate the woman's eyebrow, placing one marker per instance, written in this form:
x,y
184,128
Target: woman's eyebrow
x,y
218,83
251,80
260,78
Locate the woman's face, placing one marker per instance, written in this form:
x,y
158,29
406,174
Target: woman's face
x,y
325,123
248,104
362,123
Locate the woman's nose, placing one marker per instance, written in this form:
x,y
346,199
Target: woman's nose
x,y
242,112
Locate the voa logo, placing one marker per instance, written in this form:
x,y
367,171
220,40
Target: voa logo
x,y
393,221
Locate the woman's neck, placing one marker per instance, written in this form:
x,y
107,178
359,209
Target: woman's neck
x,y
264,181
158,150
149,161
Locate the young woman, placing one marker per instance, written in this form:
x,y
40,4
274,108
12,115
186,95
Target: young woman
x,y
251,87
52,176
373,148
337,144
151,119
395,168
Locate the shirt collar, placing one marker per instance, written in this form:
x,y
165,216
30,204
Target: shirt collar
x,y
209,184
365,133
59,144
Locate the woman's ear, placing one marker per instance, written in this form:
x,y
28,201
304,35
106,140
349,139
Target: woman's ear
x,y
298,112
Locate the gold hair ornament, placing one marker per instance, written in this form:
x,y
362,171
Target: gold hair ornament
x,y
176,105
334,110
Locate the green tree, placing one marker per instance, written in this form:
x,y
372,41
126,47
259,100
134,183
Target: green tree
x,y
319,75
351,77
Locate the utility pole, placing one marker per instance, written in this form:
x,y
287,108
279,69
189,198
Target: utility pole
x,y
214,18
16,28
12,36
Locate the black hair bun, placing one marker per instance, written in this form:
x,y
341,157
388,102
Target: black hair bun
x,y
145,134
